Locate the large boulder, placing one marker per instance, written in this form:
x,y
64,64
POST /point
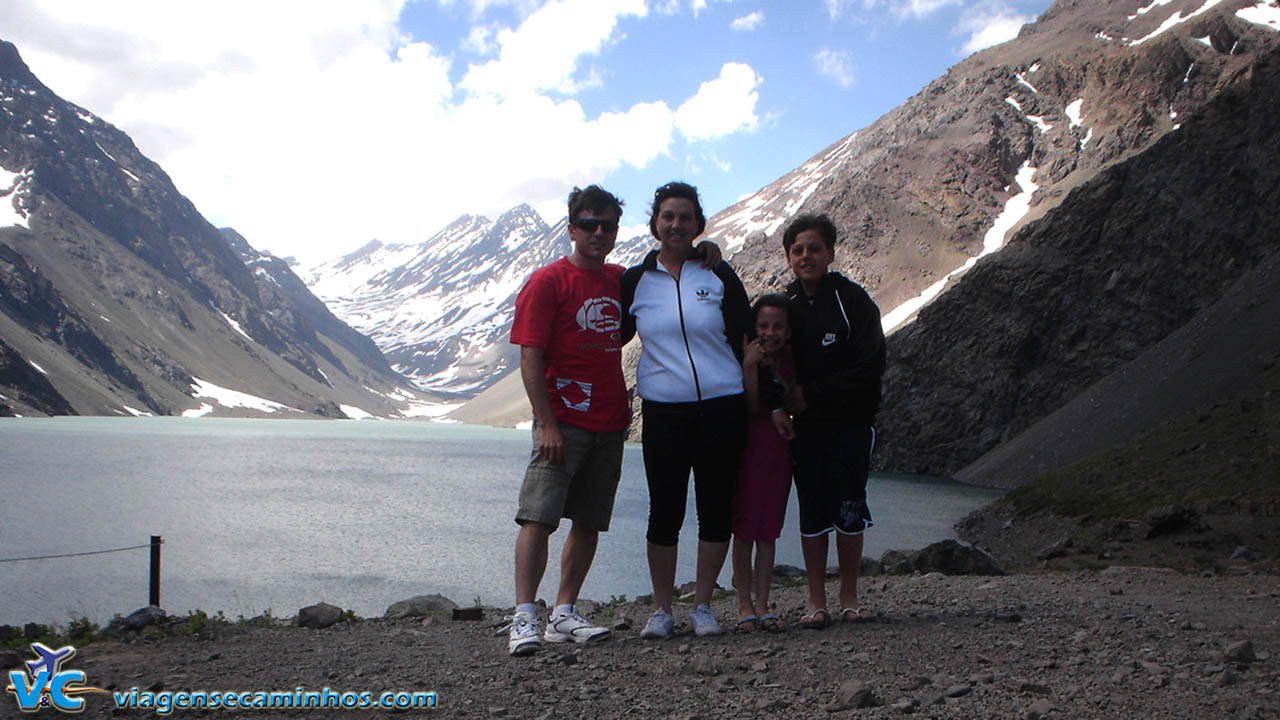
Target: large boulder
x,y
138,619
321,615
420,605
950,557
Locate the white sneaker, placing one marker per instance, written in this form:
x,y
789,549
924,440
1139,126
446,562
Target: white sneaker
x,y
572,627
525,636
704,621
659,625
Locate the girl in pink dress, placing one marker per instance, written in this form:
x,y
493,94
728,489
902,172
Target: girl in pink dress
x,y
764,480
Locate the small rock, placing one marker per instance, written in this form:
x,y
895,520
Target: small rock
x,y
1247,554
914,683
704,665
771,704
853,694
1039,709
1036,688
420,605
905,705
1240,652
571,658
956,691
1055,549
1227,678
139,619
787,571
623,623
933,698
722,684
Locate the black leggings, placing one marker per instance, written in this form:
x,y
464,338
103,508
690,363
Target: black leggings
x,y
706,437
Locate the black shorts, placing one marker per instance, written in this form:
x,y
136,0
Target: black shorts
x,y
706,437
830,463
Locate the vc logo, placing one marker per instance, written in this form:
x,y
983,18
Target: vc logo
x,y
45,683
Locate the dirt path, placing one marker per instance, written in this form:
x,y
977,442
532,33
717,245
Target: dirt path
x,y
1120,643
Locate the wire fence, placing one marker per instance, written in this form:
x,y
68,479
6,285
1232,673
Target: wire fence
x,y
153,589
79,554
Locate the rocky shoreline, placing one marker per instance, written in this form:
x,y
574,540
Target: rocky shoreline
x,y
1123,641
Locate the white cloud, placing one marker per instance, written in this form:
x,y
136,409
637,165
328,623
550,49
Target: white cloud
x,y
918,9
480,40
990,24
900,9
748,22
313,127
721,106
835,64
544,52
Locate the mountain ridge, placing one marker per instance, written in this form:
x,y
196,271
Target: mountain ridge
x,y
129,301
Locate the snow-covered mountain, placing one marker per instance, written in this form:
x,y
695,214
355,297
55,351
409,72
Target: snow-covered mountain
x,y
441,310
117,297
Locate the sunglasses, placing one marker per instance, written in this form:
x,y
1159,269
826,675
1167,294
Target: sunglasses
x,y
590,225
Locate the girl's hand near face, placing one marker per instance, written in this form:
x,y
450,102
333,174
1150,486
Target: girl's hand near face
x,y
752,354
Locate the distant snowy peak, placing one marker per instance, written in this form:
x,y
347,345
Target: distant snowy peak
x,y
441,310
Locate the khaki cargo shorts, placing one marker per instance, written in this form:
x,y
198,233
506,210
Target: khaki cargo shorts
x,y
581,488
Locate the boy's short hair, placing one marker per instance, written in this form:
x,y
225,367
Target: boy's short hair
x,y
593,198
810,221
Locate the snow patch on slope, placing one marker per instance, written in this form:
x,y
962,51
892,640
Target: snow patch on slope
x,y
1014,210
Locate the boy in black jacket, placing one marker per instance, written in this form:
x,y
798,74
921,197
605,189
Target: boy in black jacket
x,y
839,352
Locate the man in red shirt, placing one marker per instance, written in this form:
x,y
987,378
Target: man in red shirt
x,y
568,323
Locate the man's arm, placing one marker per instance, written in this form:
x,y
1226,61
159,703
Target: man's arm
x,y
533,371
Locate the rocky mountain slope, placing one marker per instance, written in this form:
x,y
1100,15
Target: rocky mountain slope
x,y
1127,141
1129,144
1126,259
117,297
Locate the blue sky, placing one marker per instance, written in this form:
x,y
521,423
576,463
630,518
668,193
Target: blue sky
x,y
313,127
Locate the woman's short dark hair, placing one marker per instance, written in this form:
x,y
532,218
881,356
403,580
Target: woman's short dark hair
x,y
593,198
774,300
676,190
819,222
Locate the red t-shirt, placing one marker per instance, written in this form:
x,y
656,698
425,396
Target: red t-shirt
x,y
575,316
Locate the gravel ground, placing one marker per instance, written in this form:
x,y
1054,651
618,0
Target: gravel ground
x,y
1122,642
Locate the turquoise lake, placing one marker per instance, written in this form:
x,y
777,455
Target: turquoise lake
x,y
275,515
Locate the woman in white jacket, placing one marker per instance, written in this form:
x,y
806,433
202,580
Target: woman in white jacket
x,y
693,322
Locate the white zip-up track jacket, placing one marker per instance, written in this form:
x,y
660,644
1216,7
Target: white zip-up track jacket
x,y
692,328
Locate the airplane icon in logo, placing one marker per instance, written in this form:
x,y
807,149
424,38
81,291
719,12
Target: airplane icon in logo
x,y
50,660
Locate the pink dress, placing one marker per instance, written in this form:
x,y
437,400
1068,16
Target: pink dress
x,y
764,478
